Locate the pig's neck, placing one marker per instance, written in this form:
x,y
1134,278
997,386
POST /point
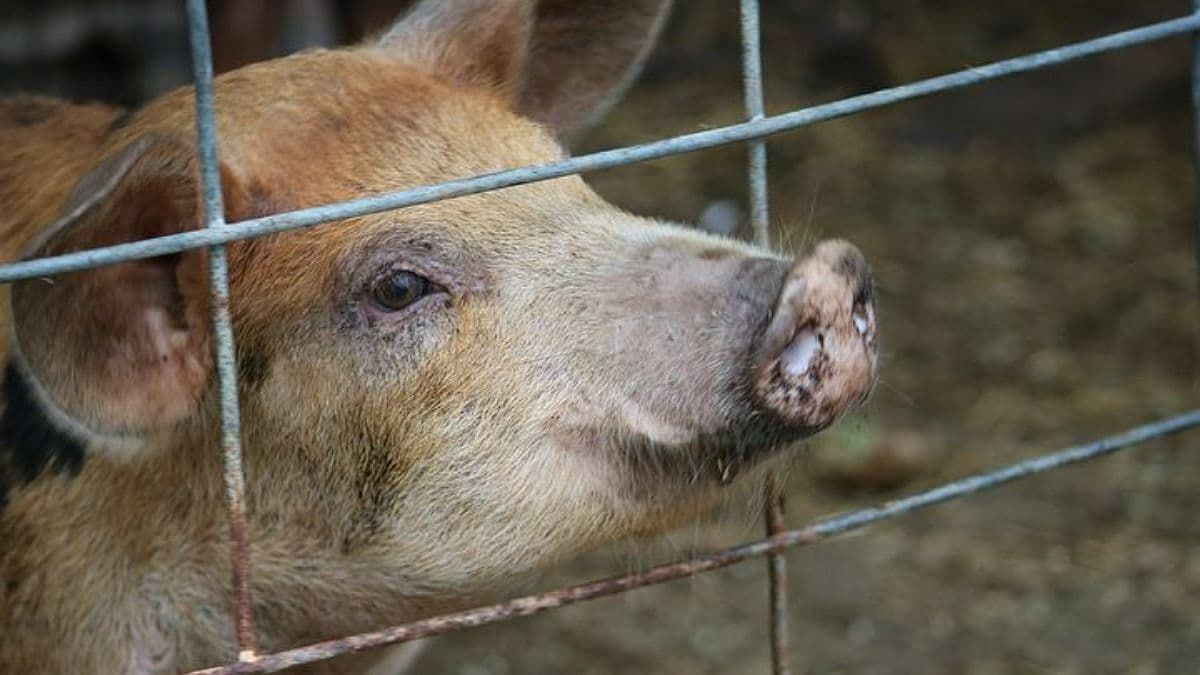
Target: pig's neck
x,y
129,557
306,585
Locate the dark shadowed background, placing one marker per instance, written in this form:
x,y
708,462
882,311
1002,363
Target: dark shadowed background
x,y
1033,243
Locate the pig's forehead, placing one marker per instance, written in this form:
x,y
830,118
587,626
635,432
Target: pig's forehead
x,y
551,220
345,124
336,126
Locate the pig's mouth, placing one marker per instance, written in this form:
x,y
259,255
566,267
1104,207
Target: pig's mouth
x,y
719,457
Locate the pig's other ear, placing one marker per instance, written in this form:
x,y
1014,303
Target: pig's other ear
x,y
561,62
585,54
474,42
120,351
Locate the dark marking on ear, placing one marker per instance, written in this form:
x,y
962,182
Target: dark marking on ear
x,y
26,111
30,444
118,123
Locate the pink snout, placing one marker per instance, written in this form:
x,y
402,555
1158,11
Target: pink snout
x,y
819,355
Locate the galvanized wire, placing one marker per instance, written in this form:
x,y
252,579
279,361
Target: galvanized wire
x,y
607,159
821,530
752,88
223,346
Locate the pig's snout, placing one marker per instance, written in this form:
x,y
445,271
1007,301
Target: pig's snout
x,y
818,355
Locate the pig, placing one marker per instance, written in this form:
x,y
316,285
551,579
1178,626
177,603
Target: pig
x,y
435,400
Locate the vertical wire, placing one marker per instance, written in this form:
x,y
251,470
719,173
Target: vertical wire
x,y
226,365
753,92
777,578
759,215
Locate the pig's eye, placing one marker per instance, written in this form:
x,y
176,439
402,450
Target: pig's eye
x,y
399,289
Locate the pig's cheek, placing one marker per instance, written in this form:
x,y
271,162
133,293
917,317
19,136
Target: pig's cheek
x,y
395,349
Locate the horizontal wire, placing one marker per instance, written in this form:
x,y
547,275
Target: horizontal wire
x,y
607,159
534,604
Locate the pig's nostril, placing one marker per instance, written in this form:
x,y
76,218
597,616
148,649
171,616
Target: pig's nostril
x,y
863,314
862,320
798,355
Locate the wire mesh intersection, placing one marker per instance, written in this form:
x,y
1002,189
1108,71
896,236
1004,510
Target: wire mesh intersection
x,y
217,233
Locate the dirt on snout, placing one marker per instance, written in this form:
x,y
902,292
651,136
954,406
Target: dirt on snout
x,y
1033,245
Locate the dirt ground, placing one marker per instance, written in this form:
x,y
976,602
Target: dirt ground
x,y
1033,242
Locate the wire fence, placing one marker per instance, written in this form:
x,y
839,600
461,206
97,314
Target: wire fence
x,y
753,131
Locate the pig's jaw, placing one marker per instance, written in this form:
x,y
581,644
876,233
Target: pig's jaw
x,y
675,451
649,460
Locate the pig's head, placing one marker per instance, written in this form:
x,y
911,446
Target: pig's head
x,y
459,390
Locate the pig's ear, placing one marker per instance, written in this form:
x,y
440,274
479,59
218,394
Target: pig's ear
x,y
561,62
474,42
584,54
123,350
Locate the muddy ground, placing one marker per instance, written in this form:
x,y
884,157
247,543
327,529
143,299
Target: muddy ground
x,y
1032,239
1033,244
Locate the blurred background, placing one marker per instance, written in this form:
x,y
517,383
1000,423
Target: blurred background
x,y
1033,243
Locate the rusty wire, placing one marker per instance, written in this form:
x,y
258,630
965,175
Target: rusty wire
x,y
777,579
224,352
